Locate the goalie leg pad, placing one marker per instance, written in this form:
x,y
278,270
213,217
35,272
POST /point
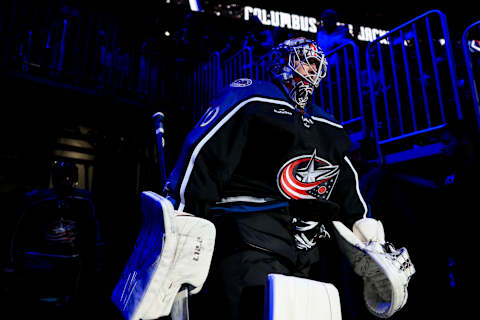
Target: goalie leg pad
x,y
291,298
170,250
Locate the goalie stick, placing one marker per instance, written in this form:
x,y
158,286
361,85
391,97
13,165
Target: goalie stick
x,y
180,304
158,123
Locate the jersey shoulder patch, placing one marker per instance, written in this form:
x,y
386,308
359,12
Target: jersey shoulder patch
x,y
242,82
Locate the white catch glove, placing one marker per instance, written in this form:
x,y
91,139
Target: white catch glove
x,y
385,270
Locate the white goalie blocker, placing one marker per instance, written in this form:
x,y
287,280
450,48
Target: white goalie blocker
x,y
172,249
385,270
293,298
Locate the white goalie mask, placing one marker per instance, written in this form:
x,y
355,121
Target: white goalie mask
x,y
299,64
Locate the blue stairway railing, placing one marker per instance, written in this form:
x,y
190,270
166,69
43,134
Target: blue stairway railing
x,y
473,69
413,80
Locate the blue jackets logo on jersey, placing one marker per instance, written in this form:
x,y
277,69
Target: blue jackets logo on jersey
x,y
307,177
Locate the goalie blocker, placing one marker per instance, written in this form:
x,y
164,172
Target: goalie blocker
x,y
385,270
172,249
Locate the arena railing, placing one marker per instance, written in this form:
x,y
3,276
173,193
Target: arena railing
x,y
207,81
341,92
240,65
413,84
473,68
211,76
261,68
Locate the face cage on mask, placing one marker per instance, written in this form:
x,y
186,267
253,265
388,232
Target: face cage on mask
x,y
308,54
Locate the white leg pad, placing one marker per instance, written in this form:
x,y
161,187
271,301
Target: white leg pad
x,y
292,298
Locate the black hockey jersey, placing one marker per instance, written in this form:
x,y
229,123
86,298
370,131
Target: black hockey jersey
x,y
253,151
253,146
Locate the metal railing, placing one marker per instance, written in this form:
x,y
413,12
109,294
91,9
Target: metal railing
x,y
207,82
413,81
341,92
201,86
240,65
473,69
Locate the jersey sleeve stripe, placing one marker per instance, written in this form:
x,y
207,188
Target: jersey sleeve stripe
x,y
357,187
327,122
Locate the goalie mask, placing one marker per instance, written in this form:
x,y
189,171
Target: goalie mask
x,y
299,64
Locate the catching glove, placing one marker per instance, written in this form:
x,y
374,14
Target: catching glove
x,y
385,270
